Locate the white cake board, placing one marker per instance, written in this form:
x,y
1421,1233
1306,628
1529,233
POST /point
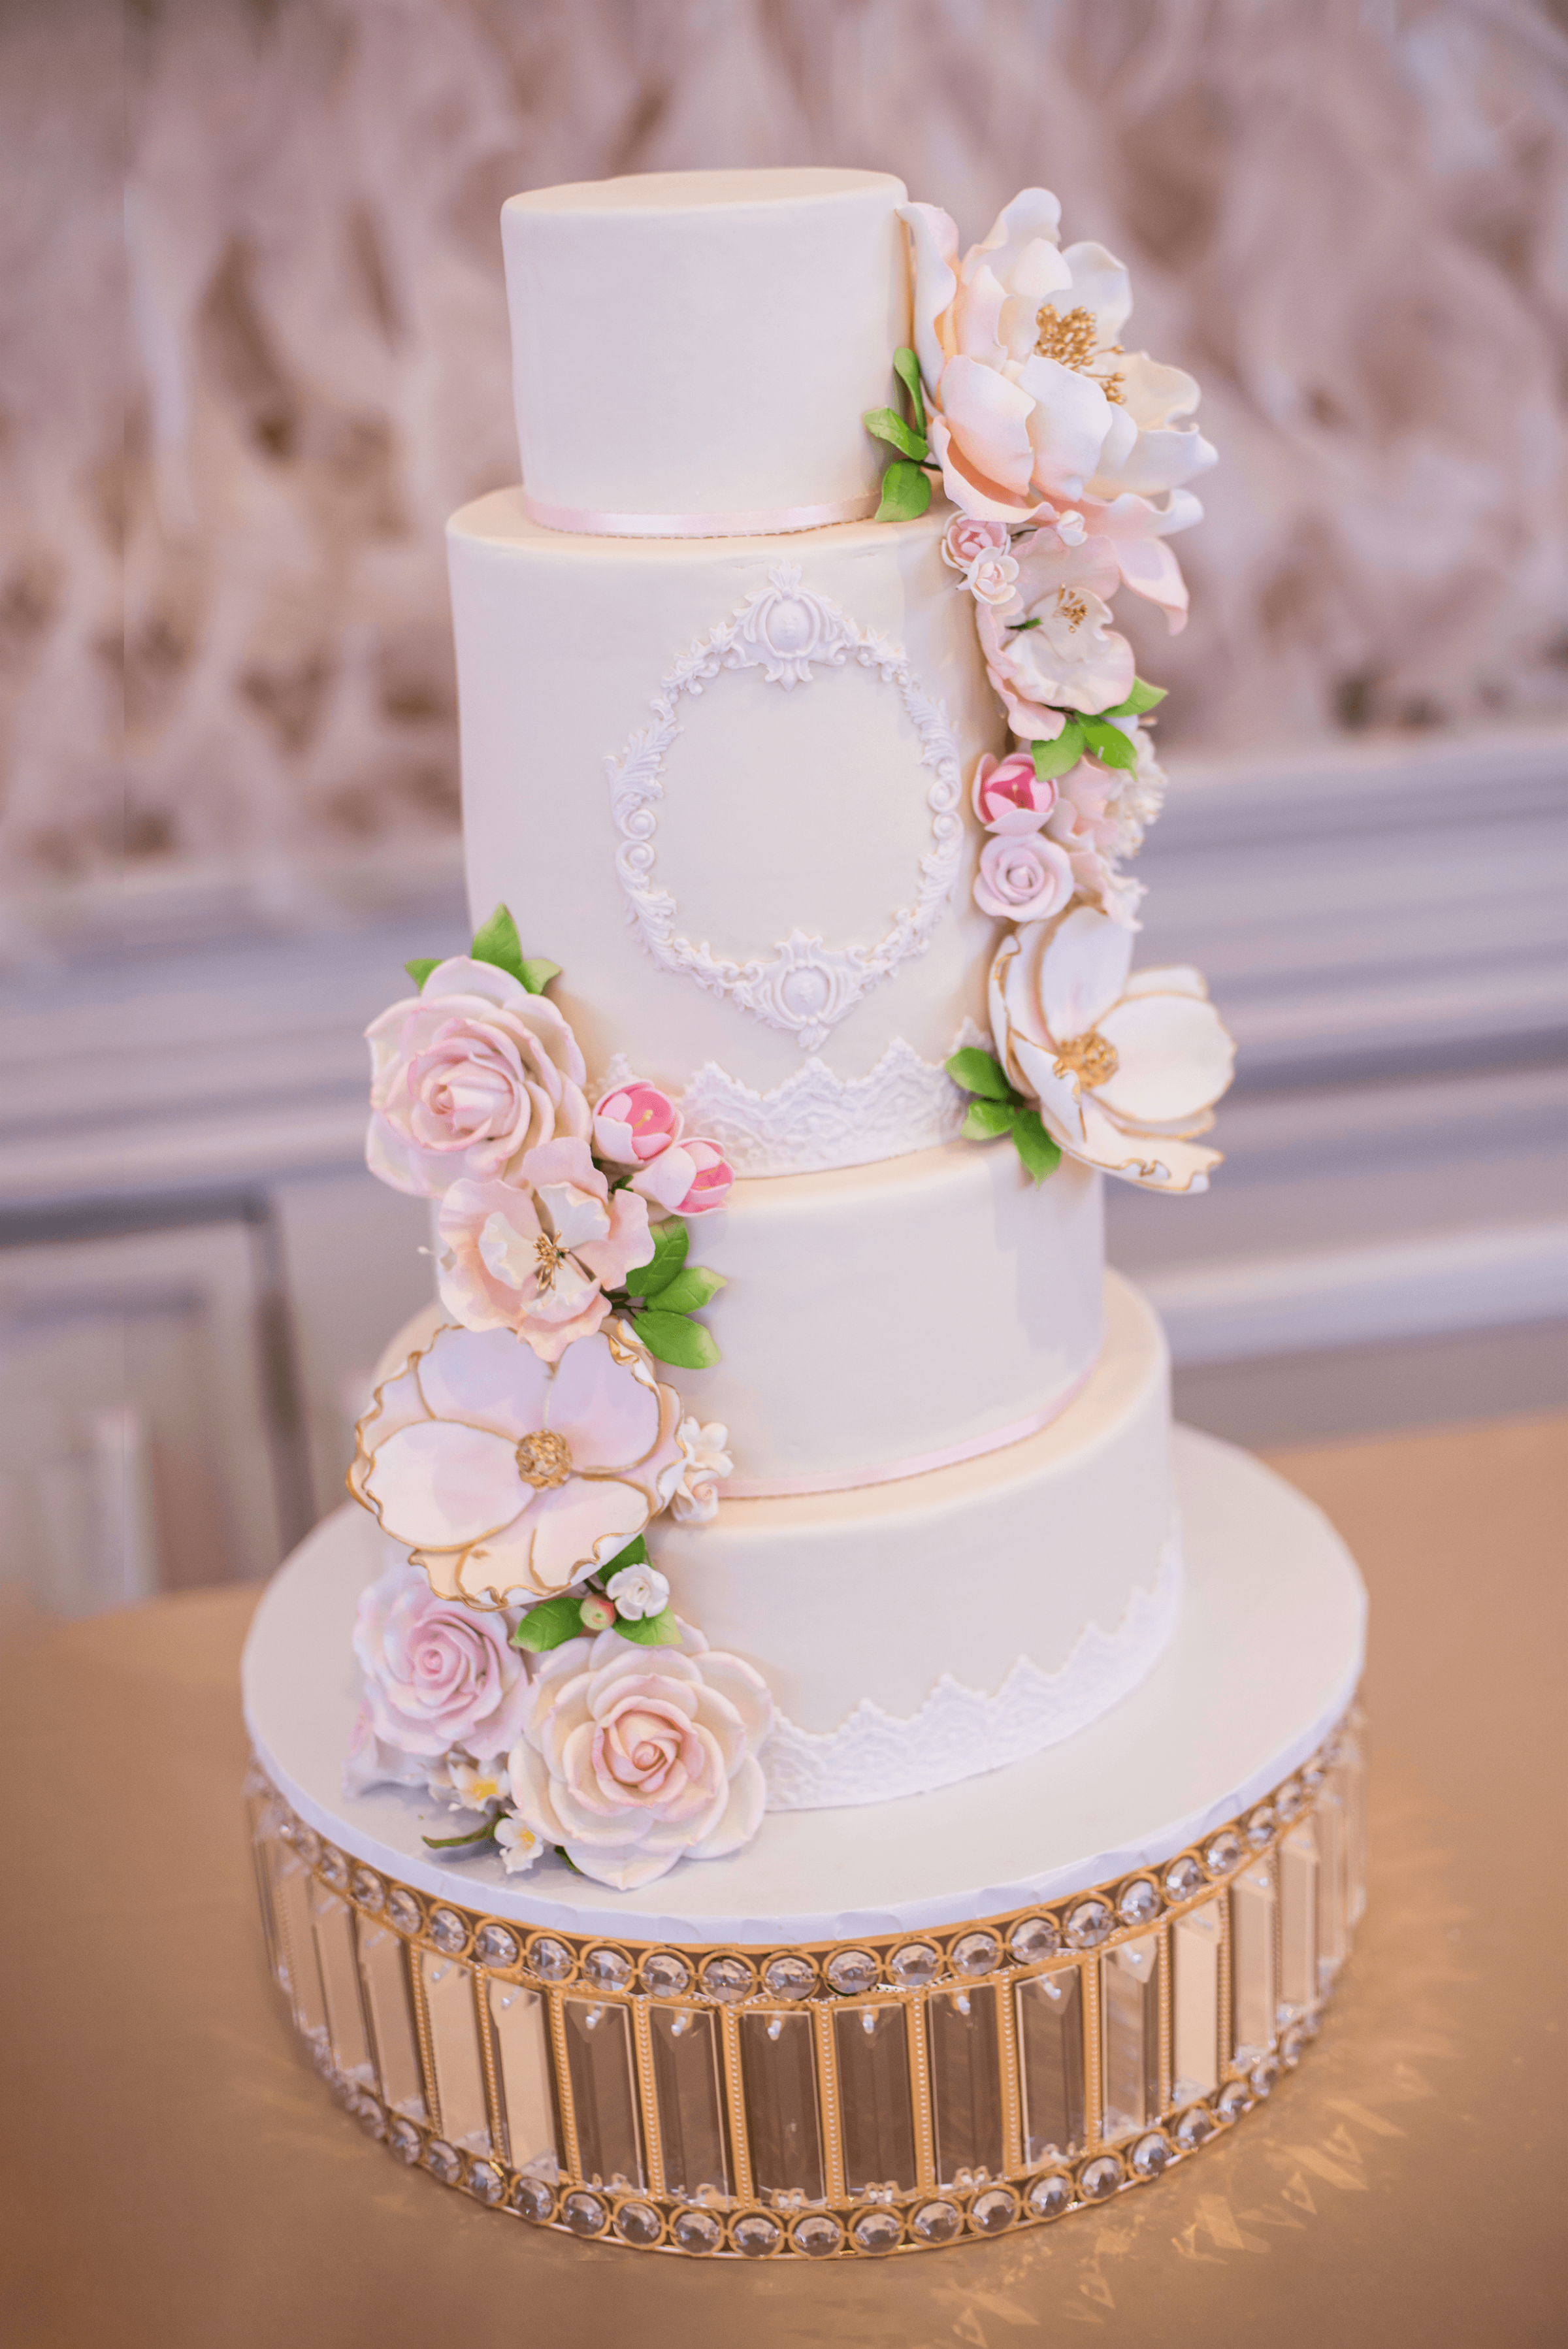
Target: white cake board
x,y
1264,1659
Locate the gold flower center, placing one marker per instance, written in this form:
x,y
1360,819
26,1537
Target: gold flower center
x,y
1072,609
544,1460
1070,341
1089,1057
548,1260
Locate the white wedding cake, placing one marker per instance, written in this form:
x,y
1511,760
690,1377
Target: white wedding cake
x,y
788,1756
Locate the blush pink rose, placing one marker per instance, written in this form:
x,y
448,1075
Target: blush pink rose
x,y
631,1758
1023,880
634,1124
466,1076
437,1674
538,1255
689,1178
969,540
992,579
1008,794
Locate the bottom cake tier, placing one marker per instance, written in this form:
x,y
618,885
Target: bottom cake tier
x,y
871,2030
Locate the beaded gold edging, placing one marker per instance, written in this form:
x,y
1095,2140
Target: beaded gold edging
x,y
1271,1899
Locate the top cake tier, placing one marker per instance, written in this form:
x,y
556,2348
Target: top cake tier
x,y
693,351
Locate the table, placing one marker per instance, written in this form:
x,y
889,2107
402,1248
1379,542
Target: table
x,y
173,2172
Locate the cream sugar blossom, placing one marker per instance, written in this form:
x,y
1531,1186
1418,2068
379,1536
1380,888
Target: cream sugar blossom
x,y
632,1758
511,1478
537,1254
1124,1067
1034,404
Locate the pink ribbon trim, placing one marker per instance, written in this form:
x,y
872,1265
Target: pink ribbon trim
x,y
589,522
920,1463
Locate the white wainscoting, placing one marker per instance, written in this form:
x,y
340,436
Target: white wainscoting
x,y
183,1204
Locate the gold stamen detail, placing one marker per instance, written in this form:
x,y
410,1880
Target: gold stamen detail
x,y
1070,341
1071,609
1089,1057
544,1460
547,1260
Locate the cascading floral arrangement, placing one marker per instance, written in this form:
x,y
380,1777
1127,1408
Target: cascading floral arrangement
x,y
521,1452
1067,459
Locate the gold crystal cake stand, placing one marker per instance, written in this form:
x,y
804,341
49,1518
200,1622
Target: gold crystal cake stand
x,y
882,2030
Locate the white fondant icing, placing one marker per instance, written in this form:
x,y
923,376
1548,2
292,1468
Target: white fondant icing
x,y
872,1757
804,987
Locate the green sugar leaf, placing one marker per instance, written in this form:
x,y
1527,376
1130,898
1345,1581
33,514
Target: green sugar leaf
x,y
419,969
672,1337
906,366
985,1120
671,1241
1109,744
887,424
550,1624
635,1554
1142,696
1058,758
1021,628
979,1072
689,1291
905,493
651,1630
537,974
475,1835
1040,1155
499,945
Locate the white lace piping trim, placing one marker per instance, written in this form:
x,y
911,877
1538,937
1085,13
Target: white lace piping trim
x,y
874,1757
816,1121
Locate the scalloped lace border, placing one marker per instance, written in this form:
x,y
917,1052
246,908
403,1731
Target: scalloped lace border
x,y
874,1757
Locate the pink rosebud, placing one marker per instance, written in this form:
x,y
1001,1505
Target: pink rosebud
x,y
688,1179
597,1613
634,1124
992,579
1008,794
969,540
1023,880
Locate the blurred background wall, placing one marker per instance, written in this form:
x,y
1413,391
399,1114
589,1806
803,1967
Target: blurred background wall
x,y
252,351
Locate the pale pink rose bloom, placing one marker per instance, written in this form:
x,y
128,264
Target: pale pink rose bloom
x,y
1009,796
967,540
631,1758
1070,658
992,579
511,1478
537,1254
1032,400
466,1076
689,1178
634,1123
1022,878
1125,1066
436,1674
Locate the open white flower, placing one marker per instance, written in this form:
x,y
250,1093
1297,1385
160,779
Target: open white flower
x,y
707,1463
1125,1068
632,1757
637,1592
1053,647
476,1785
509,1477
519,1847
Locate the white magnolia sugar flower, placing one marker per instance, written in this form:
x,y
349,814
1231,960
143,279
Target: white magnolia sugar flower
x,y
707,1462
1125,1067
638,1591
519,1847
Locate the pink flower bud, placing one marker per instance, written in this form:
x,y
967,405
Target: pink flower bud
x,y
688,1179
597,1613
967,539
1009,796
634,1124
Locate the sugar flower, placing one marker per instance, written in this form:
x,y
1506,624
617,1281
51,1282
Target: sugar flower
x,y
969,540
509,1477
633,1122
1034,404
1100,816
631,1758
1053,647
1023,878
638,1591
1008,794
707,1463
519,1847
468,1075
436,1674
1125,1068
537,1254
476,1785
690,1178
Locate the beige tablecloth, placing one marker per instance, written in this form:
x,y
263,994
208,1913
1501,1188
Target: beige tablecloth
x,y
174,2173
